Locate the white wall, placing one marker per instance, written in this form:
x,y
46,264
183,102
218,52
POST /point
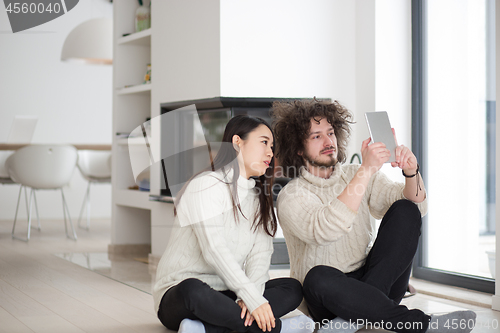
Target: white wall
x,y
186,50
317,48
72,102
287,48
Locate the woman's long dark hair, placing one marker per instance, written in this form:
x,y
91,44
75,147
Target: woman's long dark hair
x,y
226,160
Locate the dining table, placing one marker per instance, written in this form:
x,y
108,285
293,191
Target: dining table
x,y
79,146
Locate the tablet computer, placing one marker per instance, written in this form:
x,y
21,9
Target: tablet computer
x,y
381,131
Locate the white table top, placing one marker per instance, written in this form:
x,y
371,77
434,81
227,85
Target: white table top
x,y
81,146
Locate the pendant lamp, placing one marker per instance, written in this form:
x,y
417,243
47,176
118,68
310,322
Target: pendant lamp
x,y
91,42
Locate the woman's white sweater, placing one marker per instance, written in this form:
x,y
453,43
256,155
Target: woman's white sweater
x,y
209,244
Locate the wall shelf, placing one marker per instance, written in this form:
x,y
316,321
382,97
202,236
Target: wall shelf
x,y
133,198
138,89
132,141
142,38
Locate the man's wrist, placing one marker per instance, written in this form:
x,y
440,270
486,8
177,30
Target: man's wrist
x,y
410,172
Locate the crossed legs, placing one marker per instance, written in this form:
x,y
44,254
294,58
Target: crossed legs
x,y
373,292
217,310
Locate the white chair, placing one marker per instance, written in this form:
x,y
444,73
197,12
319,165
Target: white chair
x,y
21,131
43,167
4,174
95,167
5,179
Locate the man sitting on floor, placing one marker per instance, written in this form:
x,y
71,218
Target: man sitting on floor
x,y
350,274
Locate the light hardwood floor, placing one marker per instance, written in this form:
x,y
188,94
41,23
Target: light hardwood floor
x,y
40,292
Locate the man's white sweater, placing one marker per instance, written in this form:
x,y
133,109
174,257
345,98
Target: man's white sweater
x,y
321,230
213,246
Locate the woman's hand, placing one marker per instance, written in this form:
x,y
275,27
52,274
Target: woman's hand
x,y
264,317
244,310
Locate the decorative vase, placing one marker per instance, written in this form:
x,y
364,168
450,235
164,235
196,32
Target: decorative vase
x,y
142,18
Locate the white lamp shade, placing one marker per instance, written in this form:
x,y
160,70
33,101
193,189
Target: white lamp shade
x,y
90,42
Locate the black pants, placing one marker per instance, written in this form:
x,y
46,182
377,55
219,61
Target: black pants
x,y
372,293
218,311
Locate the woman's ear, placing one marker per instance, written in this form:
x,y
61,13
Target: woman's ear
x,y
236,142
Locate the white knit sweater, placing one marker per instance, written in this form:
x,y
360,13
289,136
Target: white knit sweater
x,y
212,246
321,230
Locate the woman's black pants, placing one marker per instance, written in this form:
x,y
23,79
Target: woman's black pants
x,y
371,294
218,311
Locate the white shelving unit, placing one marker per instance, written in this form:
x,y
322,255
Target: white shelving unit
x,y
184,53
131,216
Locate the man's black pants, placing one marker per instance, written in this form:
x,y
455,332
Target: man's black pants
x,y
372,294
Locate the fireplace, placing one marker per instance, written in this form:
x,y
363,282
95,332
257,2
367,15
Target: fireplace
x,y
186,134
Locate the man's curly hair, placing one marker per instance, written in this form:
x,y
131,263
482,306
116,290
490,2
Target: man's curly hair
x,y
291,126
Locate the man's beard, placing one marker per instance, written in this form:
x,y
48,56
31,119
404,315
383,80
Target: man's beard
x,y
316,162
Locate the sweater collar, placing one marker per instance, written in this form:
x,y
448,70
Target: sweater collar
x,y
322,182
242,181
246,183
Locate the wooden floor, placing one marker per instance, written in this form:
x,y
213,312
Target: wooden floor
x,y
41,292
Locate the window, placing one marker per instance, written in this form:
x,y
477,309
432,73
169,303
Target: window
x,y
453,110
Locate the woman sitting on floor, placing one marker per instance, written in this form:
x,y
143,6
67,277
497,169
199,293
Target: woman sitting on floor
x,y
214,274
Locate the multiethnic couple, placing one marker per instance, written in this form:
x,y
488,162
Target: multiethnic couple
x,y
344,273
